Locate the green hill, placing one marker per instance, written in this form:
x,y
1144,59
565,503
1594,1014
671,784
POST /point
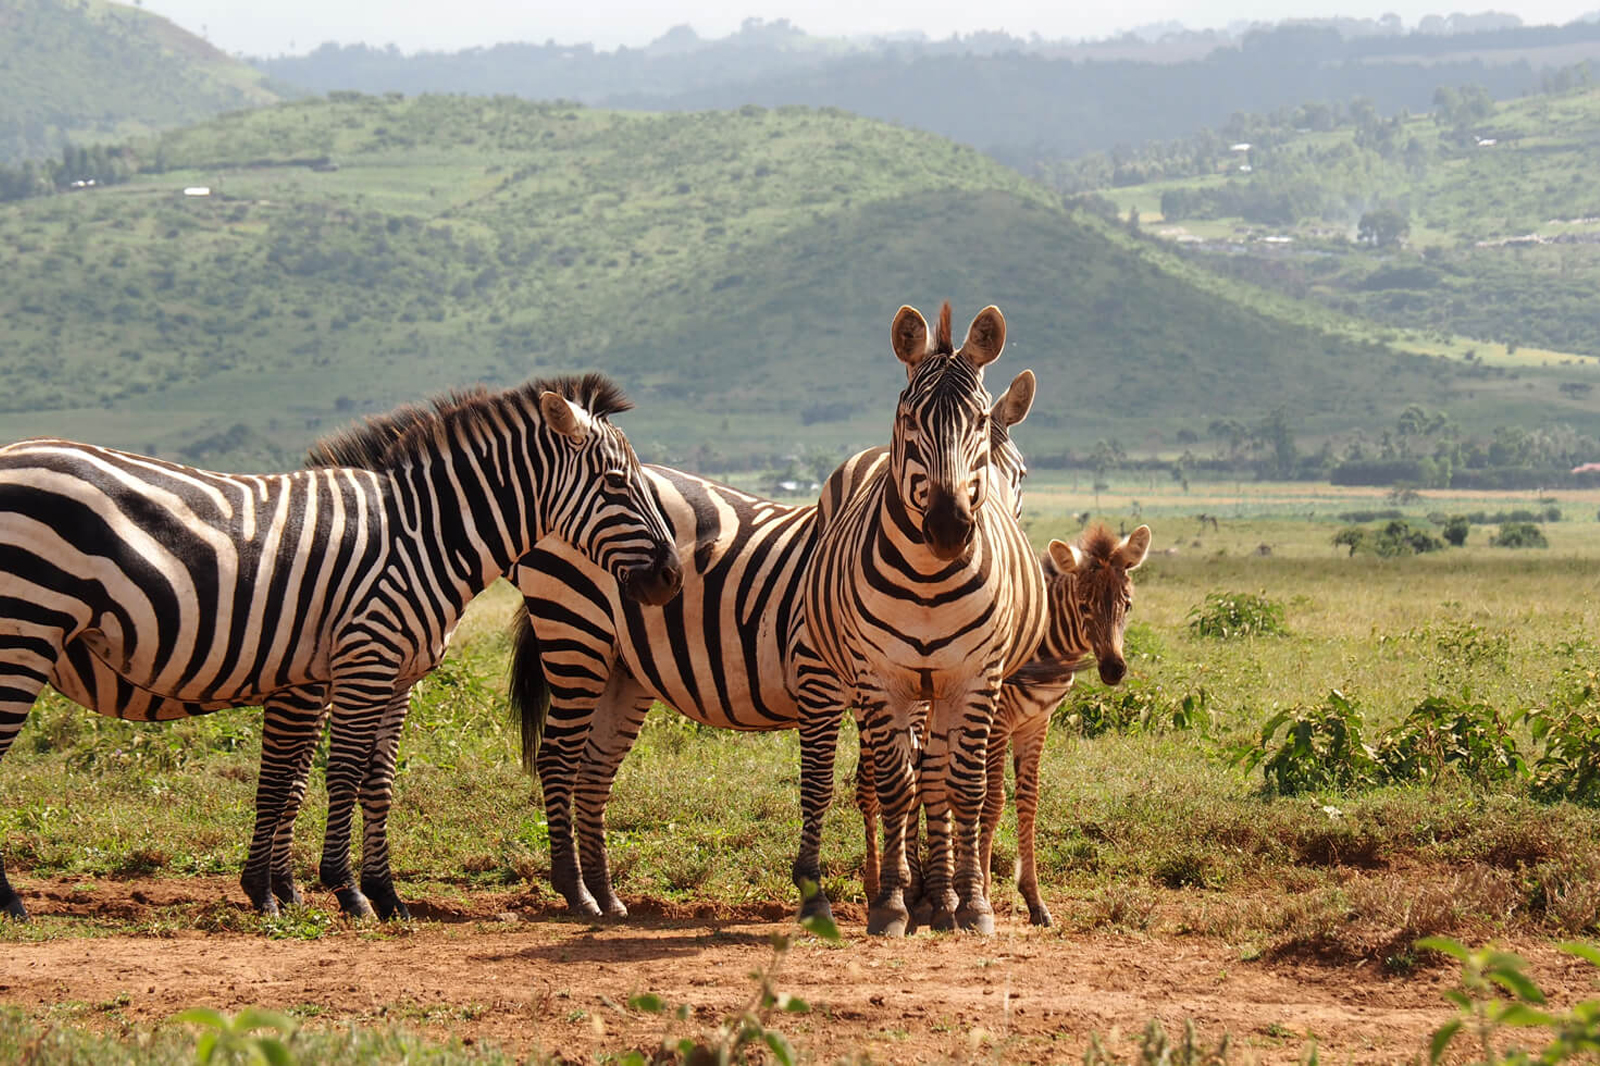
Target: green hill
x,y
737,270
88,70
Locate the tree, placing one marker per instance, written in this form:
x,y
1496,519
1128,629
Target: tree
x,y
1382,227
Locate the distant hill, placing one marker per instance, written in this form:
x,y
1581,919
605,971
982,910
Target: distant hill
x,y
737,270
1026,103
87,70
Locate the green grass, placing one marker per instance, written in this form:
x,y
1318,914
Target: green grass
x,y
741,263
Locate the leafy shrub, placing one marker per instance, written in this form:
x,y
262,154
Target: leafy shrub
x,y
1496,993
1568,767
1352,537
1519,535
1398,538
1322,748
1227,615
1442,734
1456,530
1133,707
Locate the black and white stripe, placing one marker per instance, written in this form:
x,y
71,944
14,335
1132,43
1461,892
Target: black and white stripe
x,y
152,590
920,598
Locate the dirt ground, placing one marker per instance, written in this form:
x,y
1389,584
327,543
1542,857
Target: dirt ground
x,y
503,969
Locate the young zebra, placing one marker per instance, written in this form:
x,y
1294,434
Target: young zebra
x,y
1089,593
921,596
333,586
587,665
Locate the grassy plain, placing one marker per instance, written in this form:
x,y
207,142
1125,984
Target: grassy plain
x,y
1145,829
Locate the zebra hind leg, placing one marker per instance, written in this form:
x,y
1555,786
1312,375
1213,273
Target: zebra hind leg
x,y
617,721
356,718
283,881
1029,747
23,672
889,737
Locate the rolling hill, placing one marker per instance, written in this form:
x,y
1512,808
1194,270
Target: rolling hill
x,y
88,70
736,270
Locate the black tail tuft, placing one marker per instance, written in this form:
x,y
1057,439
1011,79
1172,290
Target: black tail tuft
x,y
529,692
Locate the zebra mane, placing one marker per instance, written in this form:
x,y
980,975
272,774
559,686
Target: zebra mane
x,y
380,441
942,344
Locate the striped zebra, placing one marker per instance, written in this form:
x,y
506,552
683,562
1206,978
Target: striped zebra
x,y
587,664
921,596
150,590
1089,592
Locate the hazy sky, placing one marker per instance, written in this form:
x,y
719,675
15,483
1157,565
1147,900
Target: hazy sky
x,y
299,25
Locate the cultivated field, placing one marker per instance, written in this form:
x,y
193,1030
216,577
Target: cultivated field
x,y
1182,889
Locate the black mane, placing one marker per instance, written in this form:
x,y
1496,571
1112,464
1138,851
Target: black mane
x,y
380,441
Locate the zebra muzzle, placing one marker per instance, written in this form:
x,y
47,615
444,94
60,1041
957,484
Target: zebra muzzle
x,y
657,581
947,524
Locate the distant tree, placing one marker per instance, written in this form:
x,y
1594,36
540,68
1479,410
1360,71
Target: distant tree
x,y
1383,227
1456,530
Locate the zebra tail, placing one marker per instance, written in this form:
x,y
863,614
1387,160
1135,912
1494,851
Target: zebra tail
x,y
529,692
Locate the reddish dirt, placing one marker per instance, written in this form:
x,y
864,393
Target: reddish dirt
x,y
503,969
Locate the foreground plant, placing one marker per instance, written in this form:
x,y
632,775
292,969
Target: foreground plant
x,y
1496,994
228,1040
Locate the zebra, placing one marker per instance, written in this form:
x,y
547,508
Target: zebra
x,y
1089,594
921,596
587,665
147,589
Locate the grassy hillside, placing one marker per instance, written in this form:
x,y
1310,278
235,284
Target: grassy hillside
x,y
91,70
736,270
1502,254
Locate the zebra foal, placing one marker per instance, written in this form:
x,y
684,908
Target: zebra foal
x,y
921,596
151,590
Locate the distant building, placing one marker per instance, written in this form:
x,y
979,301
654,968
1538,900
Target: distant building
x,y
197,190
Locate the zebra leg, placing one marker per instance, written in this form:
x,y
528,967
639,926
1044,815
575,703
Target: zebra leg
x,y
283,882
889,733
966,783
377,789
1029,746
937,906
822,702
27,655
355,720
617,721
867,804
290,723
994,798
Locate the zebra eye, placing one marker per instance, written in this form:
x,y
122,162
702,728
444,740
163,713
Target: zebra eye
x,y
617,480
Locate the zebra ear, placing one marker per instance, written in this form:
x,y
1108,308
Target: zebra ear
x,y
909,337
563,416
1131,552
1015,403
985,337
1065,556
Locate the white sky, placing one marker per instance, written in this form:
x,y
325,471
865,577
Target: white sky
x,y
282,26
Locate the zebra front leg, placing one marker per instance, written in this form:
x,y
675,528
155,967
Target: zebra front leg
x,y
994,798
291,723
283,880
355,720
966,783
867,804
889,736
617,721
377,789
1029,746
560,753
934,901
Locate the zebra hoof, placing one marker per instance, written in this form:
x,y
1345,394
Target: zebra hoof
x,y
887,921
816,907
942,920
11,907
1039,915
288,893
260,898
353,904
975,921
385,901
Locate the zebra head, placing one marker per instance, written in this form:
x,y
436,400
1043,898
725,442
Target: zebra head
x,y
1090,592
604,507
939,457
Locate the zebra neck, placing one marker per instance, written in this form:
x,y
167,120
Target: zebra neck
x,y
1063,637
462,519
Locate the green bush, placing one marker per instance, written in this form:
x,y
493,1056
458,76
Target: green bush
x,y
1322,748
1519,535
1456,530
1398,538
1227,615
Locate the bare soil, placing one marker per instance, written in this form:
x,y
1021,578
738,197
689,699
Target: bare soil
x,y
507,969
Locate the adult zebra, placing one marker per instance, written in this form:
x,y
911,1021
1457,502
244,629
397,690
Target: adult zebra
x,y
587,664
922,595
335,586
1089,594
